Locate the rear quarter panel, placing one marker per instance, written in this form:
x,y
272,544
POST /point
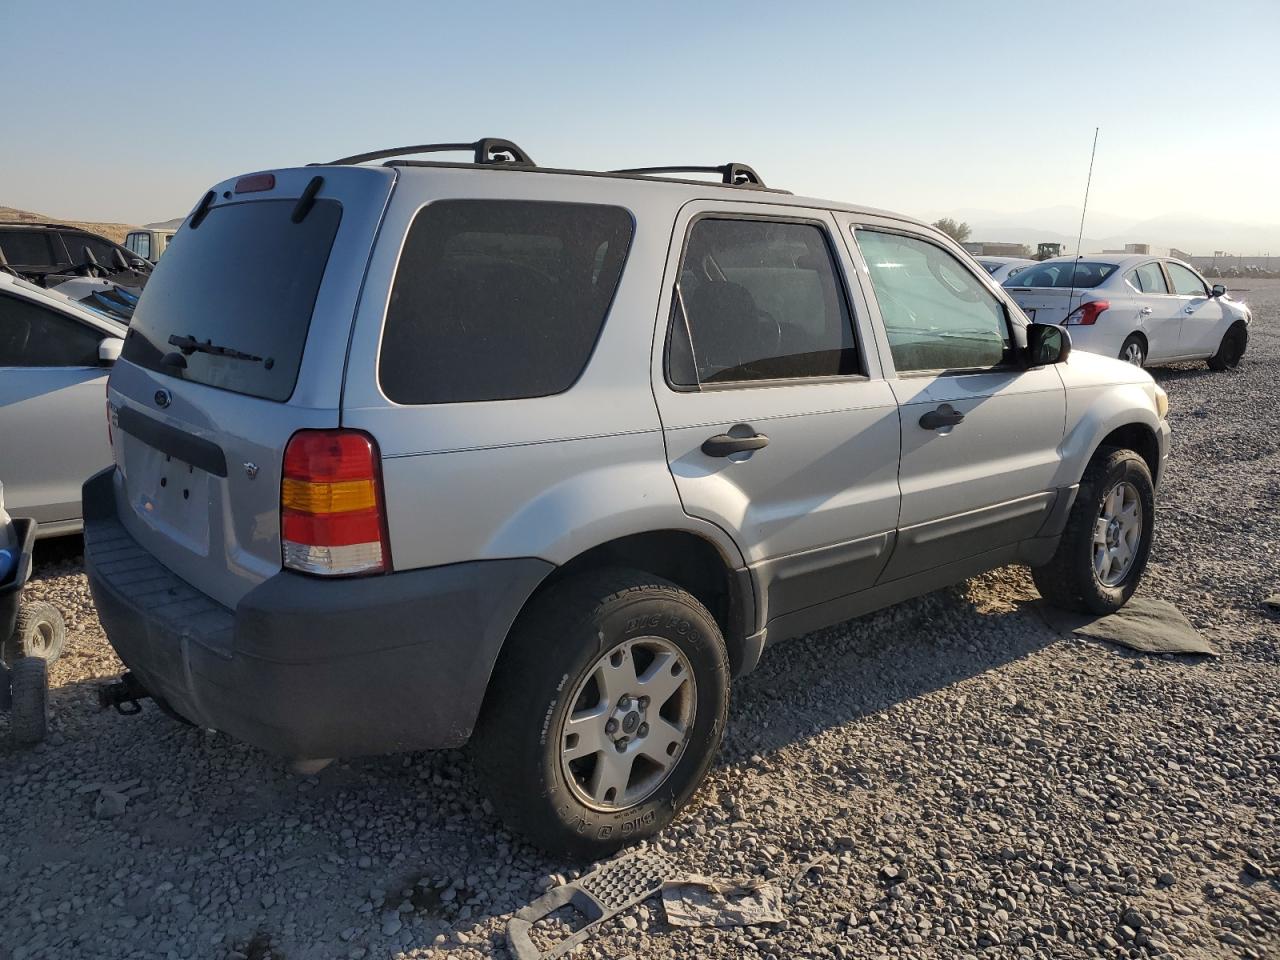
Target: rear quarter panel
x,y
542,477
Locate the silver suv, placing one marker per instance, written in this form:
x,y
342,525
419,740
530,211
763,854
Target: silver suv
x,y
418,454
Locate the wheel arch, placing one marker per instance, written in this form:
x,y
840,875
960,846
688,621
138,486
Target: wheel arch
x,y
690,561
1121,415
1146,343
1139,438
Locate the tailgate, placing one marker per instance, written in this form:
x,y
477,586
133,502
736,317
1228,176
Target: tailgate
x,y
239,340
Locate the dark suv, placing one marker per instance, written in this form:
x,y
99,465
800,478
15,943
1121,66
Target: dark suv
x,y
57,251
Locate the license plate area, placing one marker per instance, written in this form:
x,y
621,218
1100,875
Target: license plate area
x,y
170,496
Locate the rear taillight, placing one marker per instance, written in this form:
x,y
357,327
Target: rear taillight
x,y
1086,315
332,520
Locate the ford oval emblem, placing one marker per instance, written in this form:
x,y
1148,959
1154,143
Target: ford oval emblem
x,y
163,399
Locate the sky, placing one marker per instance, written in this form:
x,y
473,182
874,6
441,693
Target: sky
x,y
128,113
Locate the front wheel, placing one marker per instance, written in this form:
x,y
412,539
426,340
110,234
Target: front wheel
x,y
1104,548
1230,351
604,712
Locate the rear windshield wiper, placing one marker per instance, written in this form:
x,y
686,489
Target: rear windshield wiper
x,y
189,345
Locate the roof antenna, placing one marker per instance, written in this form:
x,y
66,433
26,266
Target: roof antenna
x,y
1080,236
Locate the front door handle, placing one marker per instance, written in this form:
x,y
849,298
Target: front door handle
x,y
1189,310
945,416
1144,312
724,445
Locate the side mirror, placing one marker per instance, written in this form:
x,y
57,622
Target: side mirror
x,y
109,350
1046,344
1219,290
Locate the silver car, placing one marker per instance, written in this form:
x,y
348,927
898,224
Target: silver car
x,y
1139,308
54,359
539,459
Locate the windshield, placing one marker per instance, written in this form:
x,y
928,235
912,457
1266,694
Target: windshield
x,y
1059,274
246,280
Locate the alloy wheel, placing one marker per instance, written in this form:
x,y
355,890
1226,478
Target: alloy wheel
x,y
628,724
1117,534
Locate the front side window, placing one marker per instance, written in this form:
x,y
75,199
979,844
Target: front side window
x,y
33,336
1147,278
758,300
103,251
1186,283
937,315
139,243
499,299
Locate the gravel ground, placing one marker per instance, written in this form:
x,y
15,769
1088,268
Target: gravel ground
x,y
969,782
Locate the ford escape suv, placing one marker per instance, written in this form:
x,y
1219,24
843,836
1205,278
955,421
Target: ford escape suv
x,y
425,453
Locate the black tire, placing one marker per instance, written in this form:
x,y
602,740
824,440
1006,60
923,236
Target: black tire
x,y
1070,579
1230,350
556,646
1131,343
29,713
40,632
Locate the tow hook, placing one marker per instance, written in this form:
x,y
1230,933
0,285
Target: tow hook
x,y
123,694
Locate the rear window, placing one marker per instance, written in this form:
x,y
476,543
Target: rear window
x,y
1087,274
500,299
245,281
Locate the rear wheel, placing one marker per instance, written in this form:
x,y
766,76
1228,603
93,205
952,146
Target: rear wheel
x,y
1104,548
1134,350
1231,350
604,714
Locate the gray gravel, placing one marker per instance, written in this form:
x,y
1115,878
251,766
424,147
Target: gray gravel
x,y
968,782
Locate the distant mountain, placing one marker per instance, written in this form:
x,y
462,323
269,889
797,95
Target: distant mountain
x,y
1103,231
112,231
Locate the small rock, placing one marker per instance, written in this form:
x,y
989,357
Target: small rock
x,y
109,804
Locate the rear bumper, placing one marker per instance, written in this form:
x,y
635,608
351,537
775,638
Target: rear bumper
x,y
307,667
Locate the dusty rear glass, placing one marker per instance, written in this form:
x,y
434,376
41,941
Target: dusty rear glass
x,y
1087,274
500,299
245,280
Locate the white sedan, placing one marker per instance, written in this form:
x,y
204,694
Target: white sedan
x,y
1002,268
1136,307
54,359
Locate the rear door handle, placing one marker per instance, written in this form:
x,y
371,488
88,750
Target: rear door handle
x,y
724,445
1144,312
1189,310
945,416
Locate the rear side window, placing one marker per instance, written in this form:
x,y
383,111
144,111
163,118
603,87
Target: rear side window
x,y
1060,273
242,285
28,248
758,300
32,336
500,299
1148,278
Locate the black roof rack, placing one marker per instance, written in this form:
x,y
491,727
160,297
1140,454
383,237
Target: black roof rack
x,y
495,152
485,150
732,174
40,223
